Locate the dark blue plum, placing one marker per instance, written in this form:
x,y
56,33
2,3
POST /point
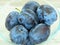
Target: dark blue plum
x,y
40,15
19,34
11,20
31,13
29,43
47,14
39,34
32,5
27,20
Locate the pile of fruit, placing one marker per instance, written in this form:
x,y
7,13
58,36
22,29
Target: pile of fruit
x,y
32,25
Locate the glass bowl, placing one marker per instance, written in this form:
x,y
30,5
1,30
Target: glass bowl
x,y
8,6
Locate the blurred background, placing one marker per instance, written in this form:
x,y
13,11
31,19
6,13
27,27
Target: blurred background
x,y
7,6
